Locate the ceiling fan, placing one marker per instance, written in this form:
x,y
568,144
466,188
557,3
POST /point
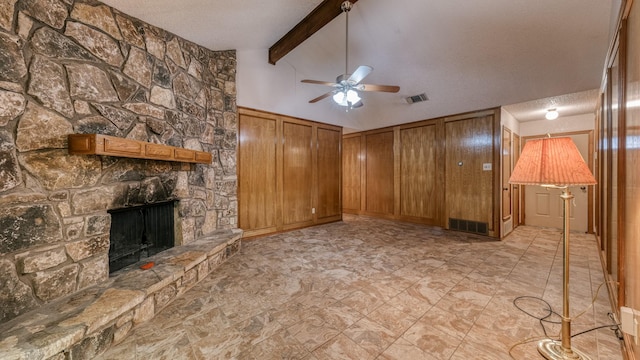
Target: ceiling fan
x,y
346,88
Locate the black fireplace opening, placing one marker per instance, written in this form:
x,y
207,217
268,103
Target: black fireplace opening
x,y
138,232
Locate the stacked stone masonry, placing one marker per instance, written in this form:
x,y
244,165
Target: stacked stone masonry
x,y
82,67
85,324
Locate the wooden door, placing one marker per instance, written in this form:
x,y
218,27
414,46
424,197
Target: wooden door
x,y
469,162
351,174
516,188
257,173
506,173
380,173
328,173
543,206
297,181
419,173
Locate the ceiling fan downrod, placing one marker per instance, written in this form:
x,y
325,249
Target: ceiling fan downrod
x,y
346,7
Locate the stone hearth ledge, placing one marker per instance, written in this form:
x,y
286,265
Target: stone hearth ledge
x,y
88,322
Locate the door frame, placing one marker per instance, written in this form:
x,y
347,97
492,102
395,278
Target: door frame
x,y
590,164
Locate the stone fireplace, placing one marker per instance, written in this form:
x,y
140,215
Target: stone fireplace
x,y
79,66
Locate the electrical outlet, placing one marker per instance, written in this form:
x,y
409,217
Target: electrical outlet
x,y
627,321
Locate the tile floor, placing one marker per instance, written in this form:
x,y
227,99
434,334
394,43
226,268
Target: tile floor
x,y
376,289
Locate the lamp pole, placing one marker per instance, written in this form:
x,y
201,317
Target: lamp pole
x,y
551,349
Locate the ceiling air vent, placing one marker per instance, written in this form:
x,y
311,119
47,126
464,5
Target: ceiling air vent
x,y
417,98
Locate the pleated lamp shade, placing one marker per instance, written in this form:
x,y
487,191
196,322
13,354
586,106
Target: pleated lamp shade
x,y
551,161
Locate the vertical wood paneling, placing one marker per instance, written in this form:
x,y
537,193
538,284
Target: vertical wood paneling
x,y
380,173
404,172
418,169
286,168
469,189
328,173
516,188
629,264
257,173
296,173
351,179
506,173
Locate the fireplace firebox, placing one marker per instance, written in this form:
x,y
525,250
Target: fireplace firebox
x,y
138,232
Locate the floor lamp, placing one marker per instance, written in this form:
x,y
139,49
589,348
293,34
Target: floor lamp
x,y
556,163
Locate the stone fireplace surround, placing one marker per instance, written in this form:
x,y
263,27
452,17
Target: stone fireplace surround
x,y
79,66
87,323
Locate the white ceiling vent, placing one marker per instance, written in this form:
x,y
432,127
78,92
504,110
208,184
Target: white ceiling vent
x,y
417,98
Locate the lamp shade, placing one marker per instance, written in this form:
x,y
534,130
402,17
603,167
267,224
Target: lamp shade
x,y
551,161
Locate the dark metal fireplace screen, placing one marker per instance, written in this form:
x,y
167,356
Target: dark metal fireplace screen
x,y
139,232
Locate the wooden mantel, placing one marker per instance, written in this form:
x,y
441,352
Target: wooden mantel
x,y
98,144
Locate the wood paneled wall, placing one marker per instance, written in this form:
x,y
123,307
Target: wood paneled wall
x,y
289,172
618,190
379,173
469,188
419,167
410,172
351,172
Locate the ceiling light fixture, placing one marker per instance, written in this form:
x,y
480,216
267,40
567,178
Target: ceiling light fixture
x,y
347,86
551,114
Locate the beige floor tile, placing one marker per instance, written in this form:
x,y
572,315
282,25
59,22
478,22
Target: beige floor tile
x,y
404,350
392,318
431,340
370,335
343,348
368,288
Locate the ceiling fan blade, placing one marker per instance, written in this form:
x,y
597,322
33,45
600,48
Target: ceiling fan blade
x,y
361,72
318,82
383,88
323,96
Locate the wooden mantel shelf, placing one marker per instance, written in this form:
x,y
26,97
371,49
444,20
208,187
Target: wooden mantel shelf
x,y
98,144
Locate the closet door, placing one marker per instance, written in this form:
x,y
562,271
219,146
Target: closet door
x,y
257,174
470,170
297,180
328,173
351,172
380,173
419,173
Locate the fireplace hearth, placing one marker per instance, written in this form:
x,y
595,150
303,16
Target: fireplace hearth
x,y
139,232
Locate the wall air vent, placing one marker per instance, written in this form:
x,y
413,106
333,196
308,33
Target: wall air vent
x,y
417,98
475,227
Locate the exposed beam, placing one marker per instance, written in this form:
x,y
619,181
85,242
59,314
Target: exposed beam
x,y
319,17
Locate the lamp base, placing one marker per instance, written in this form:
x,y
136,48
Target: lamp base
x,y
553,350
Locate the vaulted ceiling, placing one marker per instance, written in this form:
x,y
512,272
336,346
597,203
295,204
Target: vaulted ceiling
x,y
464,55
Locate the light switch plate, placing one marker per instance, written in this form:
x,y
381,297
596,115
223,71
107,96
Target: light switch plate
x,y
486,167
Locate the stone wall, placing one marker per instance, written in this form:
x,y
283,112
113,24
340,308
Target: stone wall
x,y
82,67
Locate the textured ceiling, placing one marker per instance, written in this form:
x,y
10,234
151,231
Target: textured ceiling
x,y
465,55
583,102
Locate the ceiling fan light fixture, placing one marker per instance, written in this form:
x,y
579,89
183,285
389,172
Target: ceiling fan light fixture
x,y
352,96
346,87
347,98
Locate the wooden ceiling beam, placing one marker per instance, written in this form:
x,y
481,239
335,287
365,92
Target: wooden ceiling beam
x,y
318,18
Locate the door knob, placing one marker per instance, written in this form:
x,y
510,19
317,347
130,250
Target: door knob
x,y
505,189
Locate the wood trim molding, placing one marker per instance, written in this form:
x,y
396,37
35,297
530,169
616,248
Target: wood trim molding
x,y
98,144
